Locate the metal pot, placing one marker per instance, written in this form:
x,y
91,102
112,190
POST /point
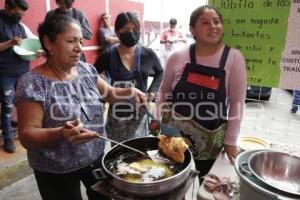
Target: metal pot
x,y
277,169
253,188
144,189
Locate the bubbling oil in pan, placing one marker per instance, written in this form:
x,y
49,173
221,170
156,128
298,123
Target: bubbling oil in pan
x,y
134,168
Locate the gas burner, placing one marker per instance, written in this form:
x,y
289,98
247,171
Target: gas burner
x,y
105,188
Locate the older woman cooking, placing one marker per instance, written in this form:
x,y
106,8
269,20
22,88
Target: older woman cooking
x,y
60,112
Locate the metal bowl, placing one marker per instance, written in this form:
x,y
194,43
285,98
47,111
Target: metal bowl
x,y
277,169
250,187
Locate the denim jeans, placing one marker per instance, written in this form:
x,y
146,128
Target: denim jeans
x,y
7,86
296,98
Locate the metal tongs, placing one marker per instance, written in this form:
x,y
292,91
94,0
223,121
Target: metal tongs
x,y
123,145
165,129
152,154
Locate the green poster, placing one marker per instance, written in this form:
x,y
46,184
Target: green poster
x,y
258,28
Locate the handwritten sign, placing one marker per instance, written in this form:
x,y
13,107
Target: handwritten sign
x,y
266,32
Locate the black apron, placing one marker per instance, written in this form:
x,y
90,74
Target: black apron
x,y
199,107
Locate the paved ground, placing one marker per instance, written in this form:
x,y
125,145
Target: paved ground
x,y
272,120
269,120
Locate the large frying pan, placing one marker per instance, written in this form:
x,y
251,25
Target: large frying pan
x,y
145,189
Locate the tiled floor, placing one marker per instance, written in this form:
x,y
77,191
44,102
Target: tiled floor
x,y
272,120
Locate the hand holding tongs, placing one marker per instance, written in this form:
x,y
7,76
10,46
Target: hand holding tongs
x,y
165,129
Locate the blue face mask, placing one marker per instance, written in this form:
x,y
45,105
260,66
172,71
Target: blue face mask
x,y
129,39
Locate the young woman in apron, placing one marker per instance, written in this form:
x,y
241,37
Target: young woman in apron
x,y
203,91
129,65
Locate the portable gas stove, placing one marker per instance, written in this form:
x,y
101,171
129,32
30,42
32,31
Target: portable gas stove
x,y
105,188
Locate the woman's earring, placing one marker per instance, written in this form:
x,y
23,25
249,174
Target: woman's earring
x,y
50,53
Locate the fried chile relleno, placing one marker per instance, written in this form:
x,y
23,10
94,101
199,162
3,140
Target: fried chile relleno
x,y
173,147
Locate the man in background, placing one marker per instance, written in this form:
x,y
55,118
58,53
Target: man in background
x,y
65,7
171,38
107,40
107,35
11,65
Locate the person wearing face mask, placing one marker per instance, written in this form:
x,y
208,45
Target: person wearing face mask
x,y
129,64
65,8
11,65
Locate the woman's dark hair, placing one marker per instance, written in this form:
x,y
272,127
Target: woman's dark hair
x,y
53,26
125,17
17,3
199,11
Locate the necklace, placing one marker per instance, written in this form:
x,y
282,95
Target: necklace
x,y
55,71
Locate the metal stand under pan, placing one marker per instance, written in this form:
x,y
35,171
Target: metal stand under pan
x,y
105,188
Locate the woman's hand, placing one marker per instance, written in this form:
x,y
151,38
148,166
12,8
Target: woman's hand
x,y
15,41
74,132
150,96
232,152
138,96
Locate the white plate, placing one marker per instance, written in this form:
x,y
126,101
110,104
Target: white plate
x,y
251,143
